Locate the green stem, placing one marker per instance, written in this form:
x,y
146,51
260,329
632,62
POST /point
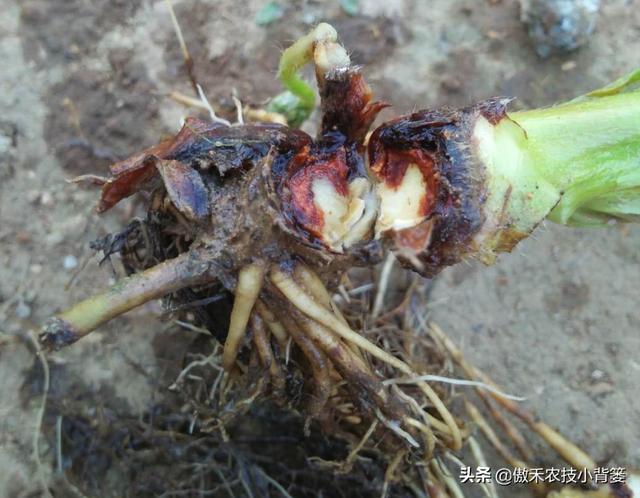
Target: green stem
x,y
292,60
576,163
298,102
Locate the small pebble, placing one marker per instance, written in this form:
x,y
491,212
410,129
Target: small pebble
x,y
559,26
309,18
70,262
36,268
46,199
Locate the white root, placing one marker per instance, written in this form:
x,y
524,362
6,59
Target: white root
x,y
314,285
253,115
439,425
320,366
441,471
273,324
307,305
312,282
566,449
239,111
389,474
263,347
455,382
540,489
356,449
212,114
247,291
429,437
448,419
206,361
492,437
337,351
395,427
489,487
382,284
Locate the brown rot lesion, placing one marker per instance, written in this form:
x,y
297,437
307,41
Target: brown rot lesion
x,y
275,217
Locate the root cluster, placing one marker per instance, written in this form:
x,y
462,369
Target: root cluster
x,y
383,386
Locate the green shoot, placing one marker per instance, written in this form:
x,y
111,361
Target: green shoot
x,y
576,163
298,102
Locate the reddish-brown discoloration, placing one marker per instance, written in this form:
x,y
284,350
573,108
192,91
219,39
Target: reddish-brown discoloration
x,y
347,106
305,168
455,179
227,148
494,110
192,130
130,175
129,181
415,239
426,203
203,154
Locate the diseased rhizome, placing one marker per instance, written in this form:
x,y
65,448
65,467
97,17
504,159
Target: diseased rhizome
x,y
276,217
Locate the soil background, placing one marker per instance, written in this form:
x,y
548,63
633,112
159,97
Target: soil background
x,y
85,82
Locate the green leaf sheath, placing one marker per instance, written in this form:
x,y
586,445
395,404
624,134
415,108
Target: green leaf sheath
x,y
589,151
